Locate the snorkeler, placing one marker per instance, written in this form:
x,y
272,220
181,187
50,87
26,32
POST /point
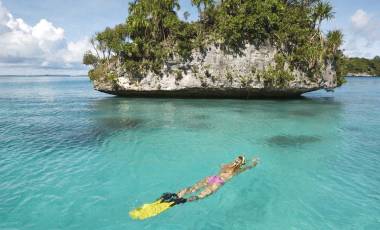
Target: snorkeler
x,y
212,183
209,185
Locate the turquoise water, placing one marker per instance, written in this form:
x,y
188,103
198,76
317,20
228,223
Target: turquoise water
x,y
72,158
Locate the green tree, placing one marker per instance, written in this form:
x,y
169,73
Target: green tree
x,y
206,4
153,35
334,40
322,11
90,59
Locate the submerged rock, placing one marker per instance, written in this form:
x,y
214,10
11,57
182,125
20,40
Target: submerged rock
x,y
215,74
286,140
117,123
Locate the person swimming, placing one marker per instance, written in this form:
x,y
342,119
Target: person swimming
x,y
211,184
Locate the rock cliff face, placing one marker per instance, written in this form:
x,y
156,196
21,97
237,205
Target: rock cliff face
x,y
215,74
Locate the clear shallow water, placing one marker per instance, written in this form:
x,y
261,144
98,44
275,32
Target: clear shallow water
x,y
72,158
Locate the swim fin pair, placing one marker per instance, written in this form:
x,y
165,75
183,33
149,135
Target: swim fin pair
x,y
166,201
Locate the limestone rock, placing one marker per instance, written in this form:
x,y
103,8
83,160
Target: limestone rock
x,y
216,74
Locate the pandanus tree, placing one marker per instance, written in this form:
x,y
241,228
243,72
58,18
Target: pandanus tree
x,y
322,11
334,40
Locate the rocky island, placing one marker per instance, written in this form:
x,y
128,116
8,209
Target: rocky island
x,y
362,67
236,49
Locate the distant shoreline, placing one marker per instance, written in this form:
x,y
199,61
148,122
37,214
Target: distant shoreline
x,y
361,75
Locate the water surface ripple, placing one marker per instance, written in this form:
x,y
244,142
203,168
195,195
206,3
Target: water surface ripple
x,y
72,158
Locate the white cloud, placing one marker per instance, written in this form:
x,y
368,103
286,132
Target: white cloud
x,y
75,50
42,45
45,30
360,19
363,36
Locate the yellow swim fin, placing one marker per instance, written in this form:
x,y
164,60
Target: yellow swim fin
x,y
150,210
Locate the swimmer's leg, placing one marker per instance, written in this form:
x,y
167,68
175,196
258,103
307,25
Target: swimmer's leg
x,y
200,184
210,189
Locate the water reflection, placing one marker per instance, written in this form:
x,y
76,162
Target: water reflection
x,y
304,113
201,117
119,123
105,117
291,140
198,125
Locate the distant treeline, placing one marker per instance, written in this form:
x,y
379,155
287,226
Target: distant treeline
x,y
363,66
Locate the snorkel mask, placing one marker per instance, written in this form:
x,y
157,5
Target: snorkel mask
x,y
240,160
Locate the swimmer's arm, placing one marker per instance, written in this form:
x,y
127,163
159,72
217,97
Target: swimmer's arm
x,y
225,166
254,164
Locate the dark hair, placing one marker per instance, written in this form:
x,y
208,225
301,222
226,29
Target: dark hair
x,y
242,158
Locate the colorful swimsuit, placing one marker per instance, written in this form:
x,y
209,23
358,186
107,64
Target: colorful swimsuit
x,y
217,180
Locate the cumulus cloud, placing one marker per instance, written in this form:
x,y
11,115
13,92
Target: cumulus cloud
x,y
42,45
363,36
75,50
360,19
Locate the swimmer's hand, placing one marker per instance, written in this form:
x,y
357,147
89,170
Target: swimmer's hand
x,y
255,161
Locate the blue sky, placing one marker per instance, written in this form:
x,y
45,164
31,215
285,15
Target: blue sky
x,y
49,37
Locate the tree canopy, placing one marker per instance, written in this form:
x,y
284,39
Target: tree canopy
x,y
154,33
